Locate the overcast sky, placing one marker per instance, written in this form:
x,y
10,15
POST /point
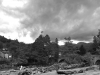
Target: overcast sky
x,y
25,19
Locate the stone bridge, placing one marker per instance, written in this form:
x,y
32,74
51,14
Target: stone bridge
x,y
94,59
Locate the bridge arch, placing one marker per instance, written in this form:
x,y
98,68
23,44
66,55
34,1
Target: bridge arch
x,y
97,62
62,60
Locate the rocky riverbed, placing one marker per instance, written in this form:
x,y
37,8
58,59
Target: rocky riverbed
x,y
91,70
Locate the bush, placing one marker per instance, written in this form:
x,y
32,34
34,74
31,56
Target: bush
x,y
73,59
78,59
4,61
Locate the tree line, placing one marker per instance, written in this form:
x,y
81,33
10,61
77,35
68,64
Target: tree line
x,y
45,52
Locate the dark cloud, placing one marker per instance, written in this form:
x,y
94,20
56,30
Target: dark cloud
x,y
62,18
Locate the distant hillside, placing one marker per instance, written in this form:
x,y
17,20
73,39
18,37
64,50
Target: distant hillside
x,y
87,46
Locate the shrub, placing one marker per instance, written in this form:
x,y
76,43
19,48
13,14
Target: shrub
x,y
73,59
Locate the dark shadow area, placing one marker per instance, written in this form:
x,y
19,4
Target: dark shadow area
x,y
62,60
97,62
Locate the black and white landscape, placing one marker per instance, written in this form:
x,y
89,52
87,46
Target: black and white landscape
x,y
47,37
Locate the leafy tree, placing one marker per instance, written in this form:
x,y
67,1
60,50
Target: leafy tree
x,y
53,52
40,49
68,39
82,50
96,44
3,39
68,47
56,50
46,40
1,45
14,51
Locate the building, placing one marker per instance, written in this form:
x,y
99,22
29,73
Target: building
x,y
4,53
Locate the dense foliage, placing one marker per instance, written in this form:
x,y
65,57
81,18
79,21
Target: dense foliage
x,y
45,52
